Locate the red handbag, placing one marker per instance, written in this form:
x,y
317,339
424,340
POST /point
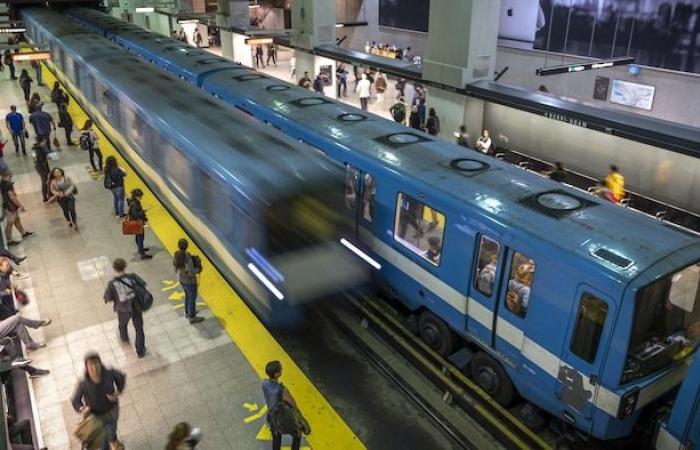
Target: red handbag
x,y
132,226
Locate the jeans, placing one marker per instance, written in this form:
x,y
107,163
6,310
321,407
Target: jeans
x,y
18,325
44,185
363,103
12,71
95,151
342,83
26,93
37,71
190,299
277,442
118,195
110,423
17,139
68,131
68,207
139,243
137,317
47,137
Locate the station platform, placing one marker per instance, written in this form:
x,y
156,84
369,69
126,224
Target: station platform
x,y
207,374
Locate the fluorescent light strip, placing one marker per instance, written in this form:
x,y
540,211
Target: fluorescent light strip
x,y
268,284
361,254
145,9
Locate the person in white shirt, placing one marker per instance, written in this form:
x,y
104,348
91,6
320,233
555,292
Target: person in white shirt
x,y
483,144
364,91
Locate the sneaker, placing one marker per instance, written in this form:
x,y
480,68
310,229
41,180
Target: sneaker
x,y
36,373
45,323
196,319
70,224
27,234
146,256
11,243
141,355
145,249
20,276
31,348
19,260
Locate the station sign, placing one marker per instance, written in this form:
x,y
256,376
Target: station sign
x,y
258,41
31,56
573,68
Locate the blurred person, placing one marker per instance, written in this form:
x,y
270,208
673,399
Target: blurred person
x,y
114,181
483,144
55,92
305,81
274,392
432,125
342,76
65,121
259,56
136,212
197,38
10,63
15,124
293,66
414,118
120,292
37,72
615,183
63,190
462,136
98,394
421,111
43,123
91,140
398,110
319,84
380,85
364,91
434,249
41,165
12,207
34,101
182,437
25,82
559,173
400,88
188,266
272,54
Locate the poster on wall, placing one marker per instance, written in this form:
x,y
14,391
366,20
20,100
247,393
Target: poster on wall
x,y
602,84
632,94
404,14
659,33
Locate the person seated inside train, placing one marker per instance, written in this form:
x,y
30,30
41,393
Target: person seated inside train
x,y
518,296
615,183
434,250
488,272
368,197
410,215
559,173
483,144
350,191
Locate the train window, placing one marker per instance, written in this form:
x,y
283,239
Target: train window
x,y
351,179
486,265
522,272
369,189
420,228
590,320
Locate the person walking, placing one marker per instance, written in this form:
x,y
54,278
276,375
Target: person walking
x,y
65,121
197,38
259,56
380,84
34,101
188,267
272,54
432,125
41,164
90,140
183,437
55,92
12,207
318,84
98,394
43,124
274,391
114,181
120,291
364,91
63,190
305,81
136,212
462,136
15,124
342,76
10,63
25,82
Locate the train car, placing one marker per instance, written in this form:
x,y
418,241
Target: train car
x,y
256,201
575,304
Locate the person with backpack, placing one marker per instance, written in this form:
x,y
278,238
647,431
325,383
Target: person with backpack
x,y
65,121
25,82
398,110
283,415
188,266
114,181
432,125
122,291
64,191
89,141
136,212
55,92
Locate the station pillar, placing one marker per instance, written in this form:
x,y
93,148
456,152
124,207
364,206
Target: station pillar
x,y
313,23
462,42
234,15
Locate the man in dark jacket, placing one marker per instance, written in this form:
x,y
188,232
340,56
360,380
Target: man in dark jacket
x,y
41,164
98,394
120,291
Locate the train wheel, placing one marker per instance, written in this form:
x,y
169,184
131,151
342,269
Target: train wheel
x,y
435,333
493,379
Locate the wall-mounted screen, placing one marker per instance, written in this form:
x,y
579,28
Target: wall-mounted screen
x,y
405,14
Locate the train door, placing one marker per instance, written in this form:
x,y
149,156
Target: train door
x,y
582,356
360,190
483,292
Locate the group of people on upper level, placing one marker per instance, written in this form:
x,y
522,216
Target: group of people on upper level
x,y
392,51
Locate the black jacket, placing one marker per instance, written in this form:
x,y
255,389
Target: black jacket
x,y
136,211
95,395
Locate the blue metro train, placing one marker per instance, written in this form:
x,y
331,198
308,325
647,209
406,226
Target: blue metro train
x,y
583,308
257,201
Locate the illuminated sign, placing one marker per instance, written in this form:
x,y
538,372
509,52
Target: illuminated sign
x,y
572,68
33,56
184,21
258,41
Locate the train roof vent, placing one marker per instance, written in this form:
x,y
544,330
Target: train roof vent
x,y
207,61
351,117
469,166
277,87
249,77
556,203
401,139
612,258
309,101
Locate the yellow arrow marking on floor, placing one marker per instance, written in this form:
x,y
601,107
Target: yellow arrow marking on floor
x,y
250,406
177,295
256,416
170,285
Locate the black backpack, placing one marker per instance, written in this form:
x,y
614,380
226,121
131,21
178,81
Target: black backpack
x,y
85,141
143,299
108,181
286,419
196,263
398,112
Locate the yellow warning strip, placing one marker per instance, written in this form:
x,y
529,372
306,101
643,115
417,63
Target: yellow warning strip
x,y
247,332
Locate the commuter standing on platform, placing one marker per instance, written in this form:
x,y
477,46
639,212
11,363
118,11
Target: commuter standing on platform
x,y
401,88
305,81
121,292
55,92
414,118
483,144
34,101
65,121
398,110
114,181
136,212
259,56
364,91
37,73
63,190
421,111
380,85
90,141
197,38
25,82
10,64
342,76
272,54
274,391
188,267
41,164
318,84
43,124
98,394
12,207
615,183
432,125
15,124
462,136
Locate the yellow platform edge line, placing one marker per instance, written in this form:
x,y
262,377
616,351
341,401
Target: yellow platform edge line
x,y
329,430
